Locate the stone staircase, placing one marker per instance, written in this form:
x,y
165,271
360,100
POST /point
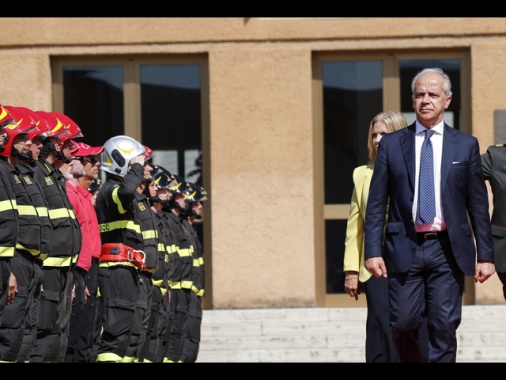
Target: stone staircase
x,y
329,335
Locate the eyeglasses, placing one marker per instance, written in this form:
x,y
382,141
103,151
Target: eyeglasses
x,y
92,160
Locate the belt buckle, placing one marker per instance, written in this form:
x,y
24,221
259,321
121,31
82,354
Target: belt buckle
x,y
430,235
130,255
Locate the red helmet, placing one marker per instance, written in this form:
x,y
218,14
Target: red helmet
x,y
5,116
21,123
72,126
47,120
61,126
148,153
41,123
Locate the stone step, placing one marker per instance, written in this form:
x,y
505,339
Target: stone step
x,y
329,335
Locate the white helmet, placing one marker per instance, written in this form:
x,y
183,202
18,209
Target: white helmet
x,y
117,153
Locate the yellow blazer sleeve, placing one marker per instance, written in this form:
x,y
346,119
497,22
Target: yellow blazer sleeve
x,y
354,240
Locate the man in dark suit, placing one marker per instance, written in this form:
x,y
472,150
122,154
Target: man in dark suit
x,y
428,256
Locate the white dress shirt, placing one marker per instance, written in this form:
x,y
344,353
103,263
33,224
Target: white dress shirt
x,y
438,223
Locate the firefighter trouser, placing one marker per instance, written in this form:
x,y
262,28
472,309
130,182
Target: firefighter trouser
x,y
5,271
31,319
141,319
119,290
14,315
180,303
192,330
54,316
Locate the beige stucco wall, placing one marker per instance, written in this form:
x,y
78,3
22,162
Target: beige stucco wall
x,y
261,120
261,172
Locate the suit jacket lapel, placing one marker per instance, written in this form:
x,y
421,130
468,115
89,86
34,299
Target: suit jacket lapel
x,y
407,142
449,151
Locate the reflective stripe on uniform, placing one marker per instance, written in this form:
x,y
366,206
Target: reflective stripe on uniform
x,y
60,213
33,252
149,234
110,357
26,210
57,262
106,264
8,205
118,225
197,291
42,211
184,252
7,251
186,284
174,284
116,199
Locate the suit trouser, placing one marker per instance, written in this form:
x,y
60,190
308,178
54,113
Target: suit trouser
x,y
379,343
434,284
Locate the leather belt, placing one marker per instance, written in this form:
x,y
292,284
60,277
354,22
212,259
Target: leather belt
x,y
121,252
432,235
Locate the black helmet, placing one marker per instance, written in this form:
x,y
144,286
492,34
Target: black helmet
x,y
162,178
179,186
197,193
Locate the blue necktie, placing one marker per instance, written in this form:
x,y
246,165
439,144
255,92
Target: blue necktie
x,y
426,198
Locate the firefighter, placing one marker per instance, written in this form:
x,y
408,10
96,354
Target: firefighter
x,y
32,219
122,255
159,319
192,214
56,291
9,223
144,215
25,167
180,270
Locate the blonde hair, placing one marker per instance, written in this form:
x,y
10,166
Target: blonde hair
x,y
392,120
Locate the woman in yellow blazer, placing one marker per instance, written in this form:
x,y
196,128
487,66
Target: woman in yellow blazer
x,y
379,346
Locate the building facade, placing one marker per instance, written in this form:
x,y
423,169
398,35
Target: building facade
x,y
270,115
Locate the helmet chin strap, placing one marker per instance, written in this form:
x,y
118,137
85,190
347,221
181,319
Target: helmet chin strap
x,y
6,140
58,154
189,212
23,157
156,199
